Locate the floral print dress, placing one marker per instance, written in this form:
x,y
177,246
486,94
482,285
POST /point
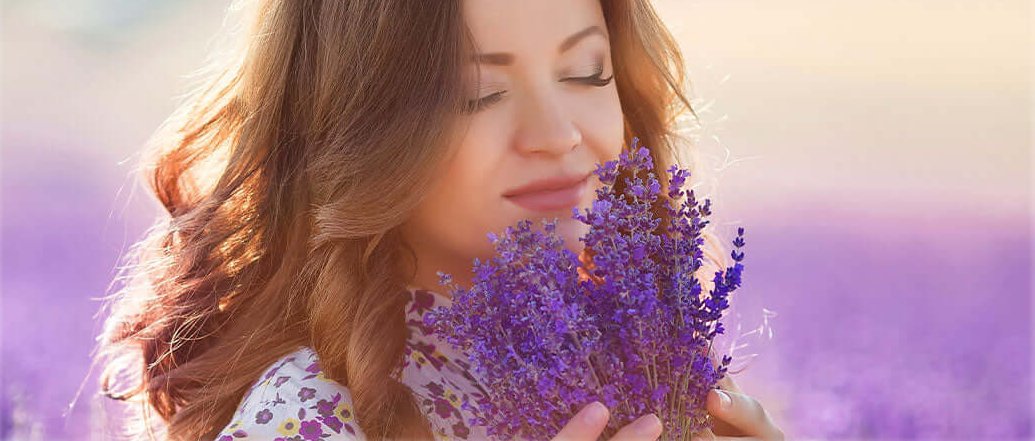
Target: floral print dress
x,y
294,401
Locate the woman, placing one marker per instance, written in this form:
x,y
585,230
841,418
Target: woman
x,y
354,149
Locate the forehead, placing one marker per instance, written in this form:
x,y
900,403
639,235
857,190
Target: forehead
x,y
528,26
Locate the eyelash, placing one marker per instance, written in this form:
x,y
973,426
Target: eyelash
x,y
592,80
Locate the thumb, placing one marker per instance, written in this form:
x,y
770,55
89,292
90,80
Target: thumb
x,y
737,414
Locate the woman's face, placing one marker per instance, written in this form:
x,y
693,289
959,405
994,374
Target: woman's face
x,y
545,107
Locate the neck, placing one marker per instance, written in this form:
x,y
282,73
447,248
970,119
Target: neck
x,y
432,257
426,273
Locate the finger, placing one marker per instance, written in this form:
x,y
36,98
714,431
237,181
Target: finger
x,y
742,412
707,435
585,425
647,427
704,435
727,383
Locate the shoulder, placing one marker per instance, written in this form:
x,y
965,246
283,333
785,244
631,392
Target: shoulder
x,y
293,400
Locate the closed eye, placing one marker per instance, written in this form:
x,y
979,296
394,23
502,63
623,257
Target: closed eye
x,y
480,103
593,80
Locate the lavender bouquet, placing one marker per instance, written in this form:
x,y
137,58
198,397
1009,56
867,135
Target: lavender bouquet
x,y
549,331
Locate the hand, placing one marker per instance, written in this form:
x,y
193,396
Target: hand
x,y
744,420
588,424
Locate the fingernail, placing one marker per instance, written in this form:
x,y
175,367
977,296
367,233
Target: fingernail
x,y
724,399
594,413
647,425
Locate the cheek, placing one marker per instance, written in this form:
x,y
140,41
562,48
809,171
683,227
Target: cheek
x,y
463,205
602,123
603,127
571,231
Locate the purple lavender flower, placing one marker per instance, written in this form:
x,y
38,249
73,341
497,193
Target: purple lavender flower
x,y
627,326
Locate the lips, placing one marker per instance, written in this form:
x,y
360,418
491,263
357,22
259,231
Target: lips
x,y
551,194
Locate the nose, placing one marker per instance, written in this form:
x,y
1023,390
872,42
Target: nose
x,y
546,127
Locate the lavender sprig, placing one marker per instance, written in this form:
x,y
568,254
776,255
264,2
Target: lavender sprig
x,y
548,333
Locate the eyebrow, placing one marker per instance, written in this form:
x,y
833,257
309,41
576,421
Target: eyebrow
x,y
506,59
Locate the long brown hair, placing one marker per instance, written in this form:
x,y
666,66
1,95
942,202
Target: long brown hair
x,y
285,177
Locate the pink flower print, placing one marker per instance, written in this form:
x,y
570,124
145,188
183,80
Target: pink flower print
x,y
443,408
326,408
311,430
461,430
334,423
270,373
306,393
422,301
263,416
313,368
436,389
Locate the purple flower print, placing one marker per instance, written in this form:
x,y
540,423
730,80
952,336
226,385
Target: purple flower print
x,y
461,430
333,422
263,416
313,368
306,393
310,430
422,301
326,407
443,408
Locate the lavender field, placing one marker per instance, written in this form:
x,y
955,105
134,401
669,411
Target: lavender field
x,y
877,155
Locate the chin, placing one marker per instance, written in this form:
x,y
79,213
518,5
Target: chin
x,y
571,230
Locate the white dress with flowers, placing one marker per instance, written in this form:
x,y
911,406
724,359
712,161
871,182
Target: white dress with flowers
x,y
294,401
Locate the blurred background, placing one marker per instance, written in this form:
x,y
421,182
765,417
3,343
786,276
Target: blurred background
x,y
877,153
